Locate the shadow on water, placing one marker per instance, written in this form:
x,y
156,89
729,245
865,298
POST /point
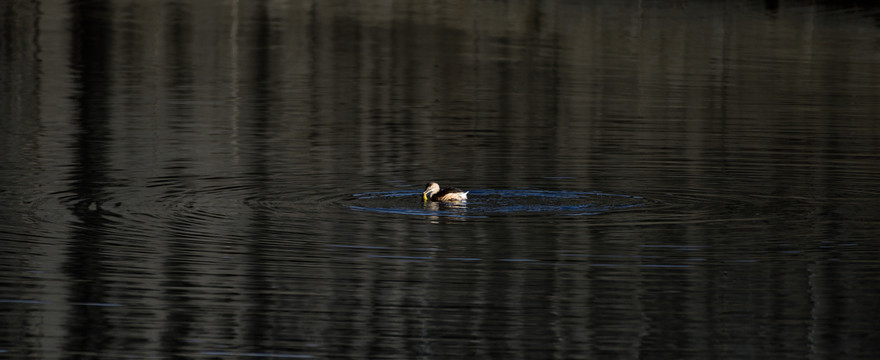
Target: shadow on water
x,y
89,177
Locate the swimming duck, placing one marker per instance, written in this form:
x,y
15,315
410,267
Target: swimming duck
x,y
433,192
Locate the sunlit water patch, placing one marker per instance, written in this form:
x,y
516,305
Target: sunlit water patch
x,y
494,202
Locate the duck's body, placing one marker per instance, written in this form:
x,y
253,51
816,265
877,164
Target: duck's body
x,y
434,193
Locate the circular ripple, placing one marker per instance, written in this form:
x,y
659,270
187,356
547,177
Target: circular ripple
x,y
489,202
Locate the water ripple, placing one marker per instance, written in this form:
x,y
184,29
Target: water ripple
x,y
497,202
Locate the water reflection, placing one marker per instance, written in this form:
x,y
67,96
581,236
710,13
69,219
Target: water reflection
x,y
242,179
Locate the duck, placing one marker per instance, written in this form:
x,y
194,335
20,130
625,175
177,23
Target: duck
x,y
434,193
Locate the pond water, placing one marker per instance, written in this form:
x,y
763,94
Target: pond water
x,y
237,179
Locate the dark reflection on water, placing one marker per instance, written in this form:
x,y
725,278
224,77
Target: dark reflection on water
x,y
242,180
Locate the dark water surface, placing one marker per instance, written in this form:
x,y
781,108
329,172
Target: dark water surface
x,y
242,179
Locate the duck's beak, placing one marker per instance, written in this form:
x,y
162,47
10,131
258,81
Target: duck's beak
x,y
425,196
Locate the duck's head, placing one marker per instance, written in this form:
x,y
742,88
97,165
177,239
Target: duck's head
x,y
430,188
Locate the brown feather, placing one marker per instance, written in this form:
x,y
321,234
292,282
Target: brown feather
x,y
450,194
